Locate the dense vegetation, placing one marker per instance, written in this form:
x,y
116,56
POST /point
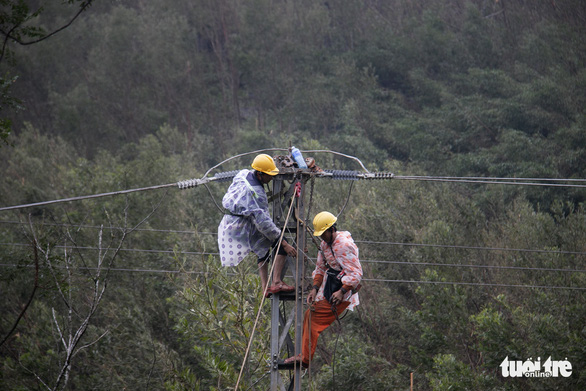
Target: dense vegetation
x,y
126,292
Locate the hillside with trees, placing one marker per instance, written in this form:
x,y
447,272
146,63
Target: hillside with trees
x,y
127,291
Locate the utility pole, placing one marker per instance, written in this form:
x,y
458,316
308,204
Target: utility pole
x,y
281,325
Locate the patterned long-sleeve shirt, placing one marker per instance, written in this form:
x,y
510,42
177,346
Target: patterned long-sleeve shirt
x,y
345,258
249,226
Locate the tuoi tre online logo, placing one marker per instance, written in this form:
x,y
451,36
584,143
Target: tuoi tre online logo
x,y
530,368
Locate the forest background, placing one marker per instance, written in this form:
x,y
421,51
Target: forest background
x,y
126,292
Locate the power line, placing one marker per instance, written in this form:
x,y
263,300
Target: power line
x,y
494,181
350,175
79,198
364,279
117,269
512,179
409,263
241,155
181,184
478,266
459,247
475,247
108,227
138,250
477,284
339,154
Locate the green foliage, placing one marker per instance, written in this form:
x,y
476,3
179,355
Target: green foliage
x,y
523,332
136,94
7,101
215,314
451,374
33,168
15,18
17,24
442,320
353,366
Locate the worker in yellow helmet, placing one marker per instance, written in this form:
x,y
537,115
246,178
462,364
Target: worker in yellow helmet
x,y
247,226
336,277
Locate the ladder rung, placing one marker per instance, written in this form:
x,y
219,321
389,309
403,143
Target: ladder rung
x,y
284,296
281,365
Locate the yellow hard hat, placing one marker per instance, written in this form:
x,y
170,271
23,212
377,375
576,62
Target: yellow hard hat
x,y
322,221
265,163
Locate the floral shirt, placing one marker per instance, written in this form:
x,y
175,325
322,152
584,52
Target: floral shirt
x,y
248,226
345,259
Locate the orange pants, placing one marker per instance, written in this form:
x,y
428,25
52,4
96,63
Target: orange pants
x,y
314,322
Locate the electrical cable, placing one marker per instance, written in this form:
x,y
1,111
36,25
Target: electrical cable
x,y
138,250
475,247
108,227
222,211
192,183
491,182
152,251
240,155
560,252
495,178
347,199
477,266
181,185
339,154
477,284
364,279
118,269
79,198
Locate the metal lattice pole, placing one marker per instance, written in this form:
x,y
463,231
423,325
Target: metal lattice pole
x,y
281,326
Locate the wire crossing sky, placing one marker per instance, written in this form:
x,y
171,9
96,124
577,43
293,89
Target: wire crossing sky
x,y
543,182
349,175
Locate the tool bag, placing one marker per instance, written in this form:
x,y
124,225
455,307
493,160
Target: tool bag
x,y
333,282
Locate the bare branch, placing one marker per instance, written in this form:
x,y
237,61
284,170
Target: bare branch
x,y
34,374
152,212
153,365
74,242
35,286
91,343
47,255
61,336
72,324
495,13
74,338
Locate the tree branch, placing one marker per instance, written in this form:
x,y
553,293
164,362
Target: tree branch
x,y
20,42
35,286
72,326
9,34
91,343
